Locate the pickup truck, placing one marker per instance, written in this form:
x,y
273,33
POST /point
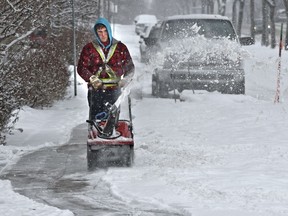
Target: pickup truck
x,y
201,52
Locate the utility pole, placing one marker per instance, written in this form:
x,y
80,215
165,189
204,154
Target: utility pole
x,y
74,49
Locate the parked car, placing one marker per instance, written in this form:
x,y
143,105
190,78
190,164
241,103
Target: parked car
x,y
147,42
201,52
143,20
258,27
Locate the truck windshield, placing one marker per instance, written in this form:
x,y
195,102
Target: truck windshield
x,y
210,28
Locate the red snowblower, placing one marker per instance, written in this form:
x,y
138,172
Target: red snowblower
x,y
110,140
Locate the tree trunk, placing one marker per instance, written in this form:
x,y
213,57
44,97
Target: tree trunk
x,y
234,13
240,16
211,6
272,20
207,6
252,19
221,7
264,39
286,37
238,22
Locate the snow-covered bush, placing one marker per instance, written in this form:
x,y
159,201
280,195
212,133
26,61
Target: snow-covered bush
x,y
32,75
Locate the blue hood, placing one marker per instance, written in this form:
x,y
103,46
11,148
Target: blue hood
x,y
104,22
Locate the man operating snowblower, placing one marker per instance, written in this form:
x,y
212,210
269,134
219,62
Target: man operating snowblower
x,y
106,65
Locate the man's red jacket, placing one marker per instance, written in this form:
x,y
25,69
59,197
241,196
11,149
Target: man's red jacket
x,y
90,61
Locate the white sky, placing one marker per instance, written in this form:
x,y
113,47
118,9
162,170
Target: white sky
x,y
213,154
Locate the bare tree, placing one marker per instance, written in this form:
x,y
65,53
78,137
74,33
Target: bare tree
x,y
286,37
265,14
187,6
252,19
268,10
237,18
221,7
208,6
272,6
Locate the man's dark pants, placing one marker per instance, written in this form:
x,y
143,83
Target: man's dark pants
x,y
98,98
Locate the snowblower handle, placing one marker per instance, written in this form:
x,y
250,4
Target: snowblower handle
x,y
95,125
130,115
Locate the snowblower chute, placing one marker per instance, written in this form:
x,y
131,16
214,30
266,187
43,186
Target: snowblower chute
x,y
110,140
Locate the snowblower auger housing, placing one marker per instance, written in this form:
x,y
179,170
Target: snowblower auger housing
x,y
110,140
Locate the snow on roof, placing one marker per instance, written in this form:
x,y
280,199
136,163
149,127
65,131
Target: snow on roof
x,y
197,16
146,18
